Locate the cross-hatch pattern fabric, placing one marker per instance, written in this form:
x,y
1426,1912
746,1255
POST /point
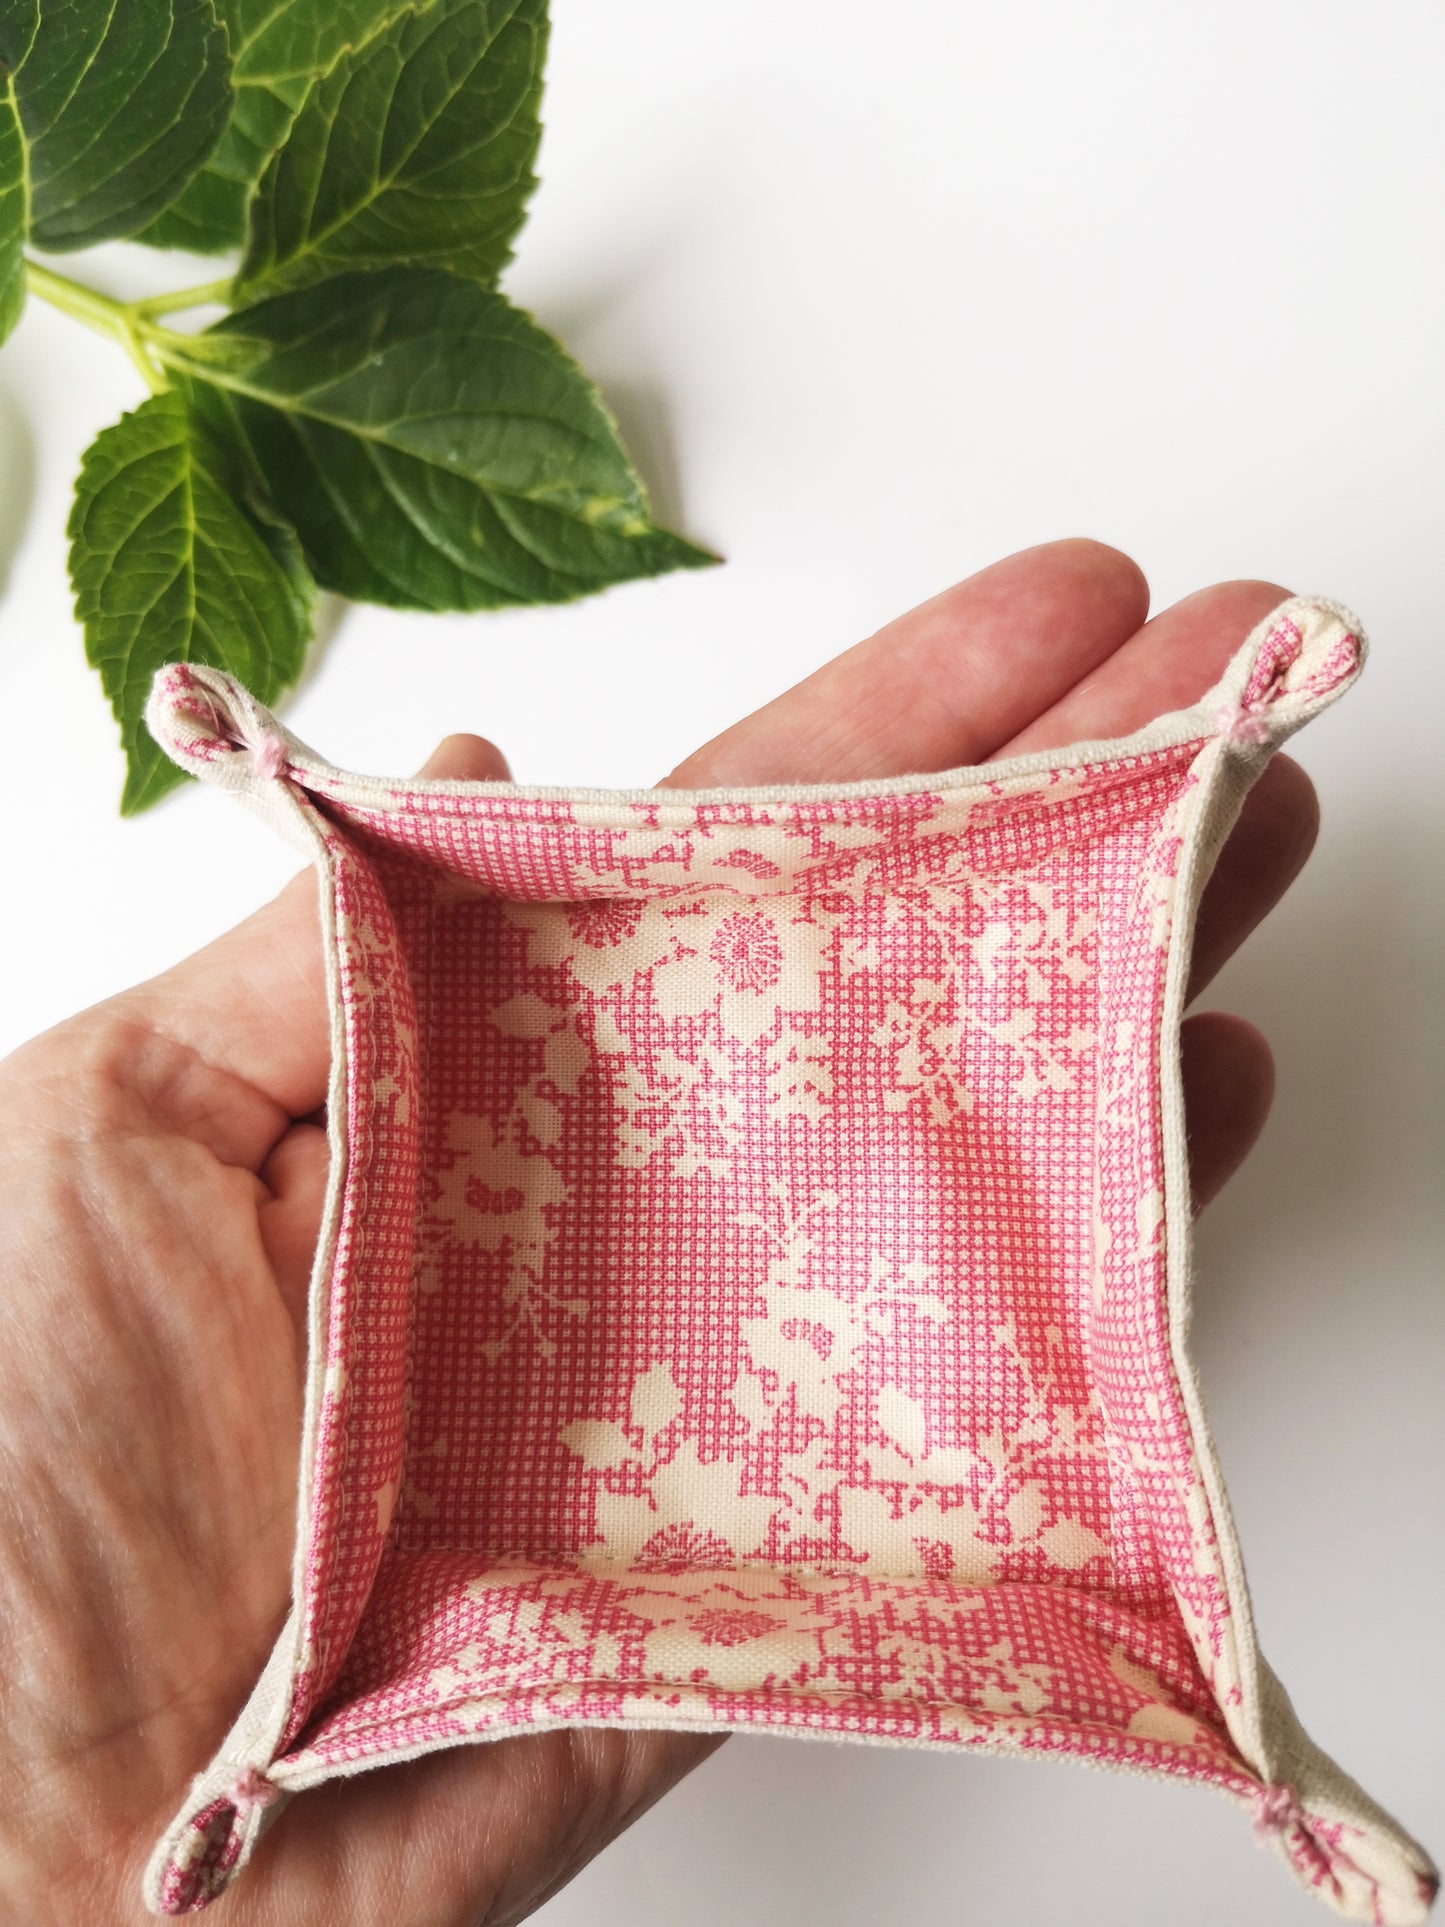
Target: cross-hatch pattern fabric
x,y
753,1287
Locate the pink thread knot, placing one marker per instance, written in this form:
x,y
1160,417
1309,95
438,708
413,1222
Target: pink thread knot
x,y
268,754
1242,723
252,1792
1275,1808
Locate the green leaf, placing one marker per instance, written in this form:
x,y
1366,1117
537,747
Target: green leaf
x,y
118,105
416,147
19,24
168,567
13,210
278,47
431,445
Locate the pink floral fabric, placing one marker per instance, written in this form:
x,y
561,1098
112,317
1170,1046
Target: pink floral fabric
x,y
754,1282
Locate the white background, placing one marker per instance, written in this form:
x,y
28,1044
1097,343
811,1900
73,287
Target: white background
x,y
879,294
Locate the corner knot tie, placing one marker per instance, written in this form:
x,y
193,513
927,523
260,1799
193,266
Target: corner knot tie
x,y
268,754
1242,723
253,1792
1275,1808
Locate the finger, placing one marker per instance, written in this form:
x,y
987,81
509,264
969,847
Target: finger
x,y
1261,858
478,1832
946,683
295,1178
466,759
1228,1074
1168,664
252,1005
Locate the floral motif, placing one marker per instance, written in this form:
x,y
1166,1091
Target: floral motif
x,y
495,1195
699,956
746,951
683,1548
725,1626
605,924
936,1557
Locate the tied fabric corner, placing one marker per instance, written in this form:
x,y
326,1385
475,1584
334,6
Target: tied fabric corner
x,y
753,1286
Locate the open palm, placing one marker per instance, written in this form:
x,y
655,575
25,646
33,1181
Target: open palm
x,y
161,1181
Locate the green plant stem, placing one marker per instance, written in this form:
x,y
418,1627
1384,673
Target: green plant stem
x,y
96,310
206,295
125,322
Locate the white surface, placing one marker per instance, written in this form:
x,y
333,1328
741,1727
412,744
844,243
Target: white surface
x,y
880,294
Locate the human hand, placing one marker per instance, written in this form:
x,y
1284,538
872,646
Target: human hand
x,y
161,1182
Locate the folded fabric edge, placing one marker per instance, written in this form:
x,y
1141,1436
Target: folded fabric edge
x,y
231,1803
1306,1804
212,726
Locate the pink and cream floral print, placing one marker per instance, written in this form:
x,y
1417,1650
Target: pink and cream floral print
x,y
753,1290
